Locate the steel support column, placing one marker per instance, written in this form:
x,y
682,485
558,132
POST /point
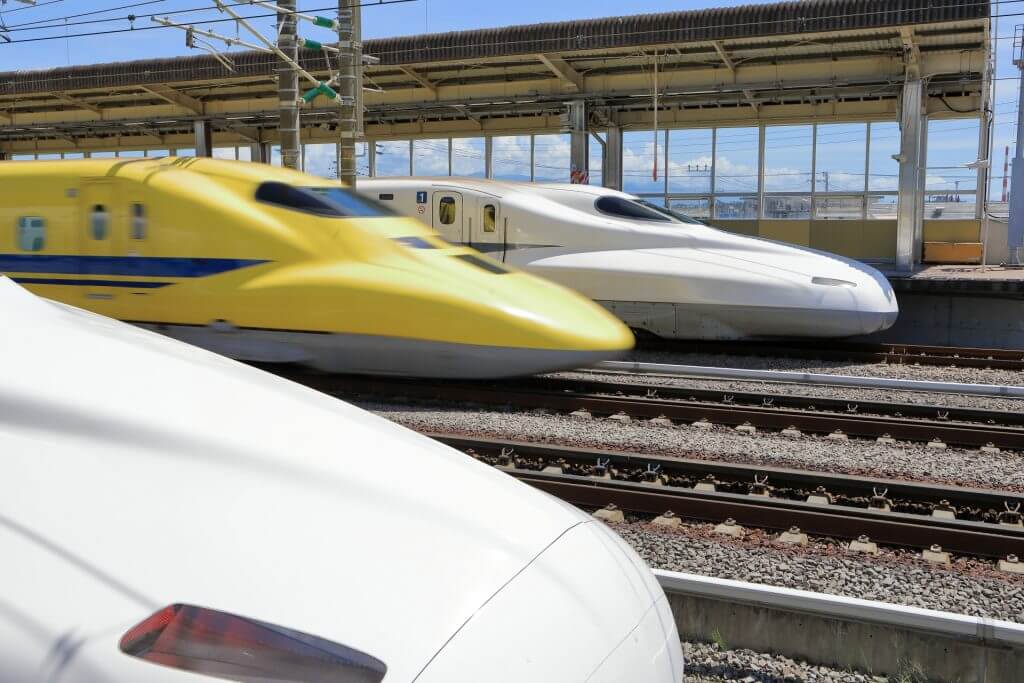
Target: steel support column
x,y
611,173
1015,231
350,85
204,138
488,157
579,142
288,87
910,210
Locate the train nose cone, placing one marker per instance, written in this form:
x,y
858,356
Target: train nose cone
x,y
586,609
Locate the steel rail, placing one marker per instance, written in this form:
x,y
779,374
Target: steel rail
x,y
799,377
793,401
759,417
900,354
902,529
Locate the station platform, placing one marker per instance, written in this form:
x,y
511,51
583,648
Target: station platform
x,y
958,305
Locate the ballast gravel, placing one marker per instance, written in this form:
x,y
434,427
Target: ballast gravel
x,y
711,663
970,587
893,370
851,394
913,462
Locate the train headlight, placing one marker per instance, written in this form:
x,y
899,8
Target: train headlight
x,y
832,282
227,646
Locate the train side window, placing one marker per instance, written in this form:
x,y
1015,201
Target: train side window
x,y
446,210
490,217
31,233
99,222
138,222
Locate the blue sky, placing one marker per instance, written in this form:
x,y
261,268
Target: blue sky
x,y
951,144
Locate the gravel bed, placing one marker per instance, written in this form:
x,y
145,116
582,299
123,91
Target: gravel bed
x,y
911,462
970,586
847,393
710,663
918,372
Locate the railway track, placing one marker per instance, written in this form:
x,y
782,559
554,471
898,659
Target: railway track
x,y
965,521
900,354
839,419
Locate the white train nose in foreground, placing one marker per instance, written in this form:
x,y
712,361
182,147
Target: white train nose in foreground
x,y
165,512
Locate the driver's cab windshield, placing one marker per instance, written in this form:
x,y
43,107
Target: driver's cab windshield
x,y
636,209
327,202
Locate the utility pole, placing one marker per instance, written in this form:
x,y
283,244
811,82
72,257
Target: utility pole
x,y
288,85
1006,171
1015,230
350,88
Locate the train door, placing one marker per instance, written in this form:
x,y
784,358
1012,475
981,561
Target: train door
x,y
449,218
488,230
96,237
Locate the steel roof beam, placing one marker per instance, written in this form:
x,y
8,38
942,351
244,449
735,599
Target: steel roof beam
x,y
172,96
77,103
423,82
558,66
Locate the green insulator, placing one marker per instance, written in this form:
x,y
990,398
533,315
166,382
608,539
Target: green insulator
x,y
310,95
328,91
324,22
312,44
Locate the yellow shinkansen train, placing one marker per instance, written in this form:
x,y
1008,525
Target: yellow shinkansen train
x,y
267,264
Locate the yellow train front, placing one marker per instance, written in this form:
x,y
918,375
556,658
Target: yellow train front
x,y
267,264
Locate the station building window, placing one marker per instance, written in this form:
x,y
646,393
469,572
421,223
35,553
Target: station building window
x,y
552,158
394,158
99,222
951,187
468,157
31,233
510,158
736,160
689,161
883,170
430,157
638,159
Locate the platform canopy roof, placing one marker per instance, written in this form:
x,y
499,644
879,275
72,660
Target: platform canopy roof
x,y
791,61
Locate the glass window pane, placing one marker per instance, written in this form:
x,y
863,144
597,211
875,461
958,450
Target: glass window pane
x,y
44,157
245,153
393,158
468,157
787,208
490,217
695,208
99,221
153,153
736,208
638,162
840,157
950,185
787,159
223,152
321,159
736,160
26,157
552,157
186,152
430,157
689,160
839,208
446,210
131,153
362,159
596,161
882,207
510,157
74,155
883,170
31,233
138,227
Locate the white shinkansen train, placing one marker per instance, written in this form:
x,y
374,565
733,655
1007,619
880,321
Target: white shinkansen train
x,y
166,512
656,269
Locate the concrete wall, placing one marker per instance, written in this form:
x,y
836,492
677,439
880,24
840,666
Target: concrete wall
x,y
985,321
874,648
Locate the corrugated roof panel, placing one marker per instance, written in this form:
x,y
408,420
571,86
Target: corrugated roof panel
x,y
750,21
